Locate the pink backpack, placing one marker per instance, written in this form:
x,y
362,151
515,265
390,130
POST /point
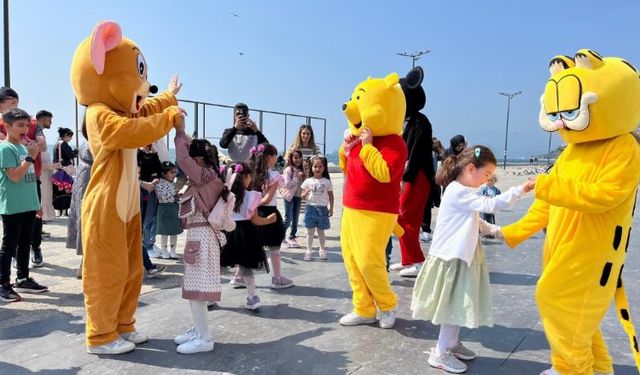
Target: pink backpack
x,y
220,217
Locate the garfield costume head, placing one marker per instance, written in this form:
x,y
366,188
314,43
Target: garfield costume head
x,y
110,69
378,104
590,98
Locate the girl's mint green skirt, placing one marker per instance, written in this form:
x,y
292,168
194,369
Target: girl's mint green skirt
x,y
450,292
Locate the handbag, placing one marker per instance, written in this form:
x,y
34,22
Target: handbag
x,y
220,217
70,169
61,179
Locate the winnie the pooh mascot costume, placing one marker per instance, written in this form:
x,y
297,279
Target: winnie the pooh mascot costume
x,y
109,76
586,202
373,160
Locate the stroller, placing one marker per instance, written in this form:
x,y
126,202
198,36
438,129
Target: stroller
x,y
62,184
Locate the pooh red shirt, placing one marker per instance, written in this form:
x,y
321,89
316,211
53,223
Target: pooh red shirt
x,y
364,192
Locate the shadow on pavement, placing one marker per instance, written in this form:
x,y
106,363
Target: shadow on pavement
x,y
61,321
246,358
8,368
287,312
502,278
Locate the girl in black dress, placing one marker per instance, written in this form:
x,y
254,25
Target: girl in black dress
x,y
243,247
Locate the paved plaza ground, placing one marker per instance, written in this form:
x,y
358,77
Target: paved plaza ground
x,y
296,329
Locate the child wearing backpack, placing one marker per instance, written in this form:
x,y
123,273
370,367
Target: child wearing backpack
x,y
201,280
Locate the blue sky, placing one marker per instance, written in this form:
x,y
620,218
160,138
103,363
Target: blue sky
x,y
306,57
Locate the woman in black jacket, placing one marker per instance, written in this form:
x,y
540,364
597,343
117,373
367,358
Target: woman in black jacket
x,y
63,153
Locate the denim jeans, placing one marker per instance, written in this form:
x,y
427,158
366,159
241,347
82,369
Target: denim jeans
x,y
148,210
291,215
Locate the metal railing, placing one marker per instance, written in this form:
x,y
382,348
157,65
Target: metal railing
x,y
213,118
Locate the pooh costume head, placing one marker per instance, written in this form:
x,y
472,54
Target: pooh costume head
x,y
378,104
589,97
110,69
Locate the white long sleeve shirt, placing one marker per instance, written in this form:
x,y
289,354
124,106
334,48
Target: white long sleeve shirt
x,y
458,224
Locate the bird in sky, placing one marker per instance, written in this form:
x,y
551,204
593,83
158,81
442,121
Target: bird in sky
x,y
235,15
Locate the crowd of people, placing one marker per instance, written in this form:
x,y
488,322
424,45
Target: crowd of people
x,y
260,230
169,205
27,198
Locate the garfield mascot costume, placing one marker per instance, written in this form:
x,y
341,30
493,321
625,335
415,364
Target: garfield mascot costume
x,y
586,203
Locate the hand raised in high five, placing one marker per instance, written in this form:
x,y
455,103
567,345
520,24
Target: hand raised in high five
x,y
174,84
179,125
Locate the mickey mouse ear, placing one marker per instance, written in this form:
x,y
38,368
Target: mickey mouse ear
x,y
414,77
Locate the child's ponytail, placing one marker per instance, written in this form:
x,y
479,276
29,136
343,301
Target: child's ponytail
x,y
258,163
452,166
237,188
449,171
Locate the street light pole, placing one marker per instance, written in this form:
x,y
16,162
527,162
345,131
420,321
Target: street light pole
x,y
414,56
506,133
7,79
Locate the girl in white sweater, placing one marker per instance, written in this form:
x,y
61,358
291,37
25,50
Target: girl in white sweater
x,y
452,289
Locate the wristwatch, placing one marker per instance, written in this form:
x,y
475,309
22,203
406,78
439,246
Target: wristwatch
x,y
29,159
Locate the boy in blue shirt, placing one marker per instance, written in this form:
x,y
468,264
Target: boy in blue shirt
x,y
489,190
18,205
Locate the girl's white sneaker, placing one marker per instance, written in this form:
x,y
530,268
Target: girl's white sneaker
x,y
186,337
446,361
195,345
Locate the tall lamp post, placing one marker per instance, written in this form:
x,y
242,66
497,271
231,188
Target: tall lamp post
x,y
7,79
414,56
509,96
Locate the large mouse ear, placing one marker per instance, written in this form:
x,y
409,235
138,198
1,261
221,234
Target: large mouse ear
x,y
414,77
105,37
